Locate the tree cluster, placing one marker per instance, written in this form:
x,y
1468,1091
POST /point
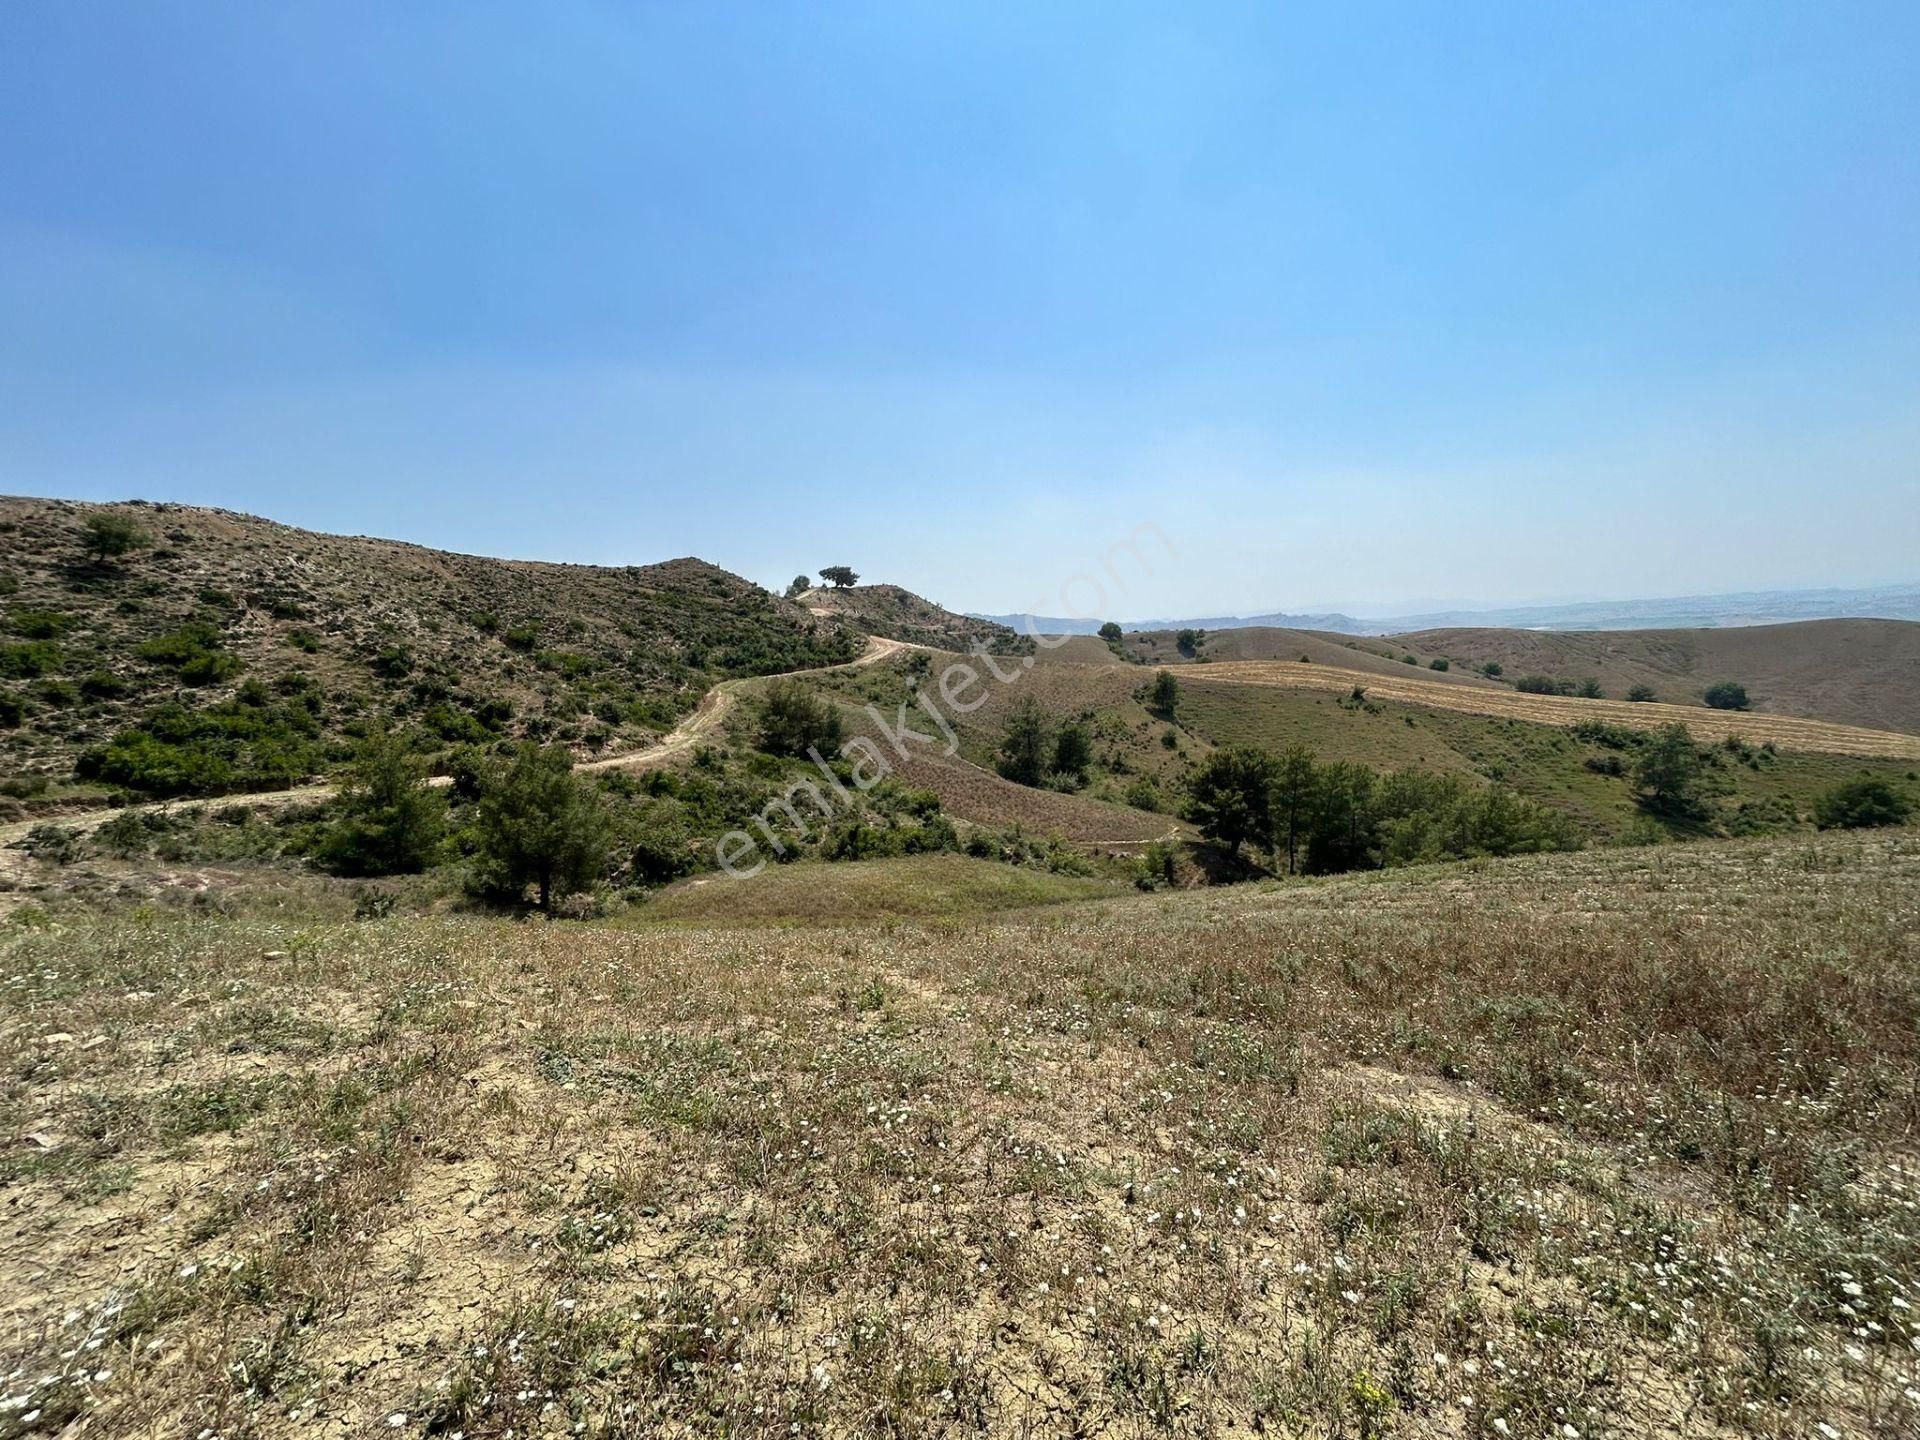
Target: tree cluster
x,y
1037,750
1324,818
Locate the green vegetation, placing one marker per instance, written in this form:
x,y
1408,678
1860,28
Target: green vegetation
x,y
794,720
1163,696
389,821
798,586
1347,816
1727,695
1671,774
250,742
108,537
1864,802
840,577
539,825
1026,744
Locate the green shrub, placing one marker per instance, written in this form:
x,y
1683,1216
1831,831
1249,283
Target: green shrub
x,y
40,624
1861,803
103,685
1439,663
13,710
29,661
794,720
1641,694
541,826
1727,695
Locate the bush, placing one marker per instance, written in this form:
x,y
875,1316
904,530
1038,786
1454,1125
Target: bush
x,y
1493,669
1862,803
40,624
230,746
29,661
390,821
1543,685
1641,694
103,685
1438,663
1188,642
1727,695
794,720
1589,689
13,710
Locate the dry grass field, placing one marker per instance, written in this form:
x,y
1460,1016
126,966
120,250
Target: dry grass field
x,y
1786,732
1618,1143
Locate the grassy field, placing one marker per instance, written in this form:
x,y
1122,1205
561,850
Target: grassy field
x,y
1605,1144
917,887
1546,762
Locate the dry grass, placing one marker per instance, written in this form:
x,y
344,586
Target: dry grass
x,y
1601,1144
1787,733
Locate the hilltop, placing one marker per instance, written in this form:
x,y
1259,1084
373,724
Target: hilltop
x,y
902,615
289,642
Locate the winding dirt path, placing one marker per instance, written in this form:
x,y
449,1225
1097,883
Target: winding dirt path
x,y
714,707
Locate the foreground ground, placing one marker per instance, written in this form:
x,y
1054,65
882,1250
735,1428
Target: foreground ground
x,y
1613,1143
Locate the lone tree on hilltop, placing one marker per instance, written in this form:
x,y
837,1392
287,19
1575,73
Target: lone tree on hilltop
x,y
108,537
801,584
1112,633
838,576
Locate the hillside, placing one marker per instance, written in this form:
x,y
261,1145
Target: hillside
x,y
902,615
254,649
1607,1144
1859,672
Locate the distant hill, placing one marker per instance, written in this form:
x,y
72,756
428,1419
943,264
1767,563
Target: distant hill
x,y
902,615
231,652
1857,672
1758,607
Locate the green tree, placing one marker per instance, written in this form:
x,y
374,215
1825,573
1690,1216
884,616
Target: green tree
x,y
801,584
1861,803
1230,797
1493,669
1163,697
1187,642
1072,749
539,824
1295,785
1727,695
838,576
1027,743
1671,774
1641,694
1589,689
1112,633
1342,827
389,822
793,720
107,537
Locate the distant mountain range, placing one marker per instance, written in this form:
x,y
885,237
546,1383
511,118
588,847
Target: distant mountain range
x,y
1757,607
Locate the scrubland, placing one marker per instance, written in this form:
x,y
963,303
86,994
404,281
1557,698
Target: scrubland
x,y
1602,1144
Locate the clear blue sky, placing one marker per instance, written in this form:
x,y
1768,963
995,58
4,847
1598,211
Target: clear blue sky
x,y
1356,302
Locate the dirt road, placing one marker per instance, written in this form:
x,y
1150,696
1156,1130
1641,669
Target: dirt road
x,y
713,708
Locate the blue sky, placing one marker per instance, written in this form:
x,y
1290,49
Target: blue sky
x,y
1355,302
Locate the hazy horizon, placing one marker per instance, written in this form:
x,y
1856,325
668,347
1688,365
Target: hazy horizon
x,y
1512,303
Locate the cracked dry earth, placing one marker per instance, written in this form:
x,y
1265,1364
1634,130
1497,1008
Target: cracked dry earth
x,y
1601,1144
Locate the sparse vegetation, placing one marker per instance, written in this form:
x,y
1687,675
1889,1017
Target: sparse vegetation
x,y
1862,803
1727,695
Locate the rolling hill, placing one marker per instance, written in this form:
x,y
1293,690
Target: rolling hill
x,y
1858,672
272,645
899,614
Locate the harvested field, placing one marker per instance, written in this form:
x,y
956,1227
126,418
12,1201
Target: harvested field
x,y
1786,732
